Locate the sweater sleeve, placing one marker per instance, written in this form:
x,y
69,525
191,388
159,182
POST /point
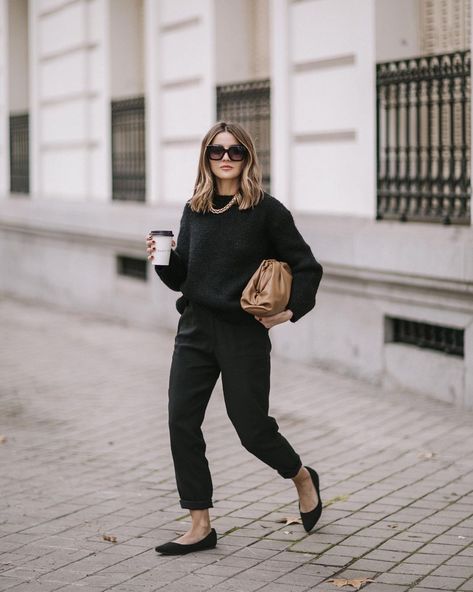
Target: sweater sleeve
x,y
174,274
290,246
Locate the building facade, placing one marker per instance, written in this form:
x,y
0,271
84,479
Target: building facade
x,y
361,111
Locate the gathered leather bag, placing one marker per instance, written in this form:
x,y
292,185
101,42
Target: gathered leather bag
x,y
269,289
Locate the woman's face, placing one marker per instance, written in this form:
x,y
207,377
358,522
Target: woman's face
x,y
226,168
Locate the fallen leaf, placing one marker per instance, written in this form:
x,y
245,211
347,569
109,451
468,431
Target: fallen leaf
x,y
355,583
338,498
426,455
290,520
110,538
3,439
393,525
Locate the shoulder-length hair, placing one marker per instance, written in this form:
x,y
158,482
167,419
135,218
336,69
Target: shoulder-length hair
x,y
251,190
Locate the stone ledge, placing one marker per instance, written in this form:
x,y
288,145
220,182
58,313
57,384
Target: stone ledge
x,y
409,253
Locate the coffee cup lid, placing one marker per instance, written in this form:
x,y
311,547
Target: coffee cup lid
x,y
163,232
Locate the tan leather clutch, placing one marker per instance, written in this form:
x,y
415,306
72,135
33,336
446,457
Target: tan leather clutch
x,y
268,289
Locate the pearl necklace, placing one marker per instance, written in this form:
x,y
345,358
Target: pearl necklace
x,y
225,208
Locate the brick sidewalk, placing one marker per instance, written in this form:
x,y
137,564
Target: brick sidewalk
x,y
83,406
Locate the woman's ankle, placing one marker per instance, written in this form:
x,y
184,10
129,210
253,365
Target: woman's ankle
x,y
200,529
200,520
302,476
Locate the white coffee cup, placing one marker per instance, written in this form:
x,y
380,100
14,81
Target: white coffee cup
x,y
163,240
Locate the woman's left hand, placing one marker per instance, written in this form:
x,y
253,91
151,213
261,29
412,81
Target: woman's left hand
x,y
276,319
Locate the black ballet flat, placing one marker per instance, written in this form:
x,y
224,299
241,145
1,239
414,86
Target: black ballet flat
x,y
310,519
172,548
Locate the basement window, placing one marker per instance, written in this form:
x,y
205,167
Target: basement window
x,y
133,267
448,340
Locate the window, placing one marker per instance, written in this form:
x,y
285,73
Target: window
x,y
133,267
448,340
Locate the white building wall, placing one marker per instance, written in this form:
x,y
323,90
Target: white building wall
x,y
18,56
4,92
322,67
398,29
126,30
234,41
447,25
70,128
329,105
259,26
324,167
184,93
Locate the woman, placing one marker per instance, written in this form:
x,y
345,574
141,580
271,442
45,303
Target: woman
x,y
227,228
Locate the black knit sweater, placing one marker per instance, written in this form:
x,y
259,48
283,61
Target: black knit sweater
x,y
216,255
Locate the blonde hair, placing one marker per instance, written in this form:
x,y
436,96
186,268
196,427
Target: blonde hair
x,y
251,189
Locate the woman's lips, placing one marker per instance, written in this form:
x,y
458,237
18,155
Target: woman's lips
x,y
224,168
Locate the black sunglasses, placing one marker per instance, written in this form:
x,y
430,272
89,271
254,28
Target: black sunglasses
x,y
235,152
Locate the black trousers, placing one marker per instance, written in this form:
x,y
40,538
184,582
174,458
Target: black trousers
x,y
205,346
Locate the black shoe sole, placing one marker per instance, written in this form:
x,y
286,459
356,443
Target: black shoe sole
x,y
310,519
172,548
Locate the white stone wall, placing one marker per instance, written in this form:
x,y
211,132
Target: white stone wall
x,y
233,41
321,56
398,29
18,88
126,26
4,109
324,81
242,40
184,92
69,99
376,271
323,162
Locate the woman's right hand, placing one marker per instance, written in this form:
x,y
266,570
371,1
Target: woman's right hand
x,y
150,245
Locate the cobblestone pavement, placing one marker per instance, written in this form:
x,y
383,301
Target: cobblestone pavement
x,y
86,454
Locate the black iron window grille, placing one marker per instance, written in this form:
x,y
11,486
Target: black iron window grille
x,y
423,138
132,267
448,340
128,149
248,103
19,154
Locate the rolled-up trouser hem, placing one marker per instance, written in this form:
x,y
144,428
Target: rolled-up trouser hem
x,y
290,474
196,505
